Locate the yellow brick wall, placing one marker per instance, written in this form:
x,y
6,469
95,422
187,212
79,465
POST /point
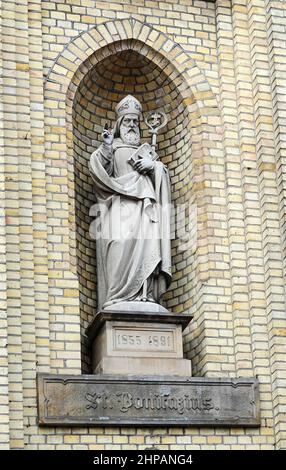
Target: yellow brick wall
x,y
222,63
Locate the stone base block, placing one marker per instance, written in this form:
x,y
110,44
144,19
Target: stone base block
x,y
141,343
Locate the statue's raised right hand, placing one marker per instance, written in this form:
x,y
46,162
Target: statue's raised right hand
x,y
107,135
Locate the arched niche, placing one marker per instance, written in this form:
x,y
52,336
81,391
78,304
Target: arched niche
x,y
126,70
188,145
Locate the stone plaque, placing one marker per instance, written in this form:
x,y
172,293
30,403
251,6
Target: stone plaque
x,y
149,401
151,339
145,339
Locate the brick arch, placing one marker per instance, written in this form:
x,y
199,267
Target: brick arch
x,y
68,71
87,43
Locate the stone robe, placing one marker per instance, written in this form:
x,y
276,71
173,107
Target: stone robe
x,y
133,225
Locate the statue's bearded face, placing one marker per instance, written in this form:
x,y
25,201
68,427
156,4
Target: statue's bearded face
x,y
129,129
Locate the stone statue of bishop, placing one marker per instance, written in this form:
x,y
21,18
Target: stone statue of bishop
x,y
133,221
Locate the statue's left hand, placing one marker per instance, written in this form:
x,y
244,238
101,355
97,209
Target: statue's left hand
x,y
144,165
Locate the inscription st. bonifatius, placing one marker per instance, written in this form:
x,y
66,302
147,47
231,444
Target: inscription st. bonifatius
x,y
98,400
125,401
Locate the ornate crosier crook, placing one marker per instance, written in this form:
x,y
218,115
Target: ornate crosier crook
x,y
155,120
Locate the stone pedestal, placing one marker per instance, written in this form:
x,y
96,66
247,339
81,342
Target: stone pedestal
x,y
138,343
